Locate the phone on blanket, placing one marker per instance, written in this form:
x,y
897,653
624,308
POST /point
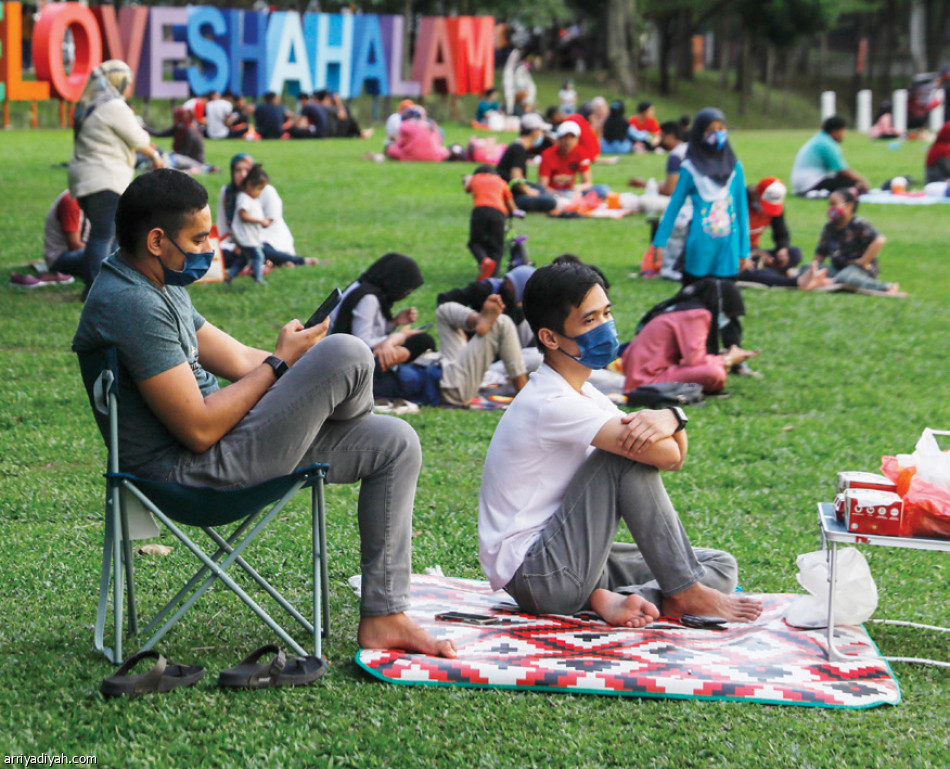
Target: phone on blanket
x,y
424,326
703,621
469,619
332,300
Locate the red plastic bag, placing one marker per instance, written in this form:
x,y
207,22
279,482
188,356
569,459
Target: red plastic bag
x,y
926,505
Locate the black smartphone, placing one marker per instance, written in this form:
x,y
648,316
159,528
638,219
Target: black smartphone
x,y
324,309
424,326
703,621
470,619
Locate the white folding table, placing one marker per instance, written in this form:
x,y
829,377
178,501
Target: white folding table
x,y
833,532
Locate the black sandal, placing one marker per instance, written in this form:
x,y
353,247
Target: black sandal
x,y
163,677
249,674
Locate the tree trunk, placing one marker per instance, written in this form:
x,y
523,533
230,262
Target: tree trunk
x,y
622,43
769,76
664,35
684,44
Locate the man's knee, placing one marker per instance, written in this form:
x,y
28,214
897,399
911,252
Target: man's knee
x,y
341,350
399,440
505,326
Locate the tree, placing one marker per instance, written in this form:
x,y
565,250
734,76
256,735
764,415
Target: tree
x,y
622,48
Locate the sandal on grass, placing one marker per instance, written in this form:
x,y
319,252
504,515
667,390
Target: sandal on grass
x,y
163,677
251,674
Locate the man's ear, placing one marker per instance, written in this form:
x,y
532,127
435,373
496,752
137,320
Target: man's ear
x,y
153,241
548,338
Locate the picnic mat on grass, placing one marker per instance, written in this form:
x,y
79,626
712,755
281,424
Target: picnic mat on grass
x,y
768,662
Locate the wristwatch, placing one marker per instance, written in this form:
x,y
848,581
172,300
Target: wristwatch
x,y
680,417
280,366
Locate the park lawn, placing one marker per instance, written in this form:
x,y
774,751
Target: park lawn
x,y
847,379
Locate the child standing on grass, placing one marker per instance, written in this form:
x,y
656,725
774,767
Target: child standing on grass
x,y
493,201
248,224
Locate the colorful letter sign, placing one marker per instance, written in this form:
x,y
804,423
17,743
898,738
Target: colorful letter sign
x,y
175,51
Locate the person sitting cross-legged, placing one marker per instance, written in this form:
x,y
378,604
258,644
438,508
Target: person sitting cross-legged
x,y
565,465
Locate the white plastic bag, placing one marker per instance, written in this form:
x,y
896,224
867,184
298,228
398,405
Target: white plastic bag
x,y
855,594
933,465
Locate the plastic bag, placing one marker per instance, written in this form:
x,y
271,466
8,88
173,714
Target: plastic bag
x,y
923,482
855,591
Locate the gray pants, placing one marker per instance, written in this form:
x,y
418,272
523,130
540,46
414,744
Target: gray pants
x,y
464,360
576,553
857,277
321,410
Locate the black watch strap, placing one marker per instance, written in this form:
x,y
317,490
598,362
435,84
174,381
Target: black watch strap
x,y
280,366
680,417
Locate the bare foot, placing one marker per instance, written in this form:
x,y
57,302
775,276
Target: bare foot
x,y
895,290
700,599
491,309
397,631
736,354
623,610
811,279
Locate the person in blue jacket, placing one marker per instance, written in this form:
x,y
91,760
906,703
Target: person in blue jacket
x,y
713,180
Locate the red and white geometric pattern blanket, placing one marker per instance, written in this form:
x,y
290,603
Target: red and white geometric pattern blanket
x,y
767,662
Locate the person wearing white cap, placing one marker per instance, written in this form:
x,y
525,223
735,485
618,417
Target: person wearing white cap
x,y
513,165
562,163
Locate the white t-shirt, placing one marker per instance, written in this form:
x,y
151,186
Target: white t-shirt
x,y
278,234
247,233
216,112
368,323
539,445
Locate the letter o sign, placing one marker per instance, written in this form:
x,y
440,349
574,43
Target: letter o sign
x,y
48,36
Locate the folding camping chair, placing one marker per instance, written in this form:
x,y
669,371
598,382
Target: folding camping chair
x,y
130,499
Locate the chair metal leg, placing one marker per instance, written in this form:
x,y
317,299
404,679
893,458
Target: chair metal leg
x,y
117,572
129,575
324,569
199,575
105,578
219,571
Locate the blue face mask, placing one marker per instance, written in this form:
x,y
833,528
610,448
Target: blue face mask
x,y
538,142
196,265
718,138
599,346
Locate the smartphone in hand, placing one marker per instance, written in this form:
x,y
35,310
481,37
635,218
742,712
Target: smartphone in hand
x,y
324,309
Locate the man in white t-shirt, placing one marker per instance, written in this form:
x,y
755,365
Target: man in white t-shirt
x,y
217,112
565,465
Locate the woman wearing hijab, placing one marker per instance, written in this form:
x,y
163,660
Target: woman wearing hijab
x,y
713,180
366,311
106,137
279,247
937,164
616,134
677,340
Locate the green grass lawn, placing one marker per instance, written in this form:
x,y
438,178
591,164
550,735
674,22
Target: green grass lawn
x,y
847,379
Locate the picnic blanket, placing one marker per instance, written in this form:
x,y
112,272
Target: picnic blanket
x,y
767,662
903,199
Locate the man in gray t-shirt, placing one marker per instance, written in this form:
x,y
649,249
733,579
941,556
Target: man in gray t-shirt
x,y
311,401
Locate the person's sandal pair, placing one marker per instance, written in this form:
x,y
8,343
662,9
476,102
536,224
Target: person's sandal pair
x,y
250,673
163,677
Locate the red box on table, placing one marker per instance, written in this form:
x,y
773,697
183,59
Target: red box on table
x,y
867,511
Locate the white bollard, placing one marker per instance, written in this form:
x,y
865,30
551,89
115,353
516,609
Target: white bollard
x,y
827,104
864,111
899,110
936,117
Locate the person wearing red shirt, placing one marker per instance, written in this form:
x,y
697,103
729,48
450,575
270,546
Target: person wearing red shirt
x,y
589,141
561,163
64,237
492,202
645,126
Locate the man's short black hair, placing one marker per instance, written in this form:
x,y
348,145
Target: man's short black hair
x,y
833,123
672,128
553,291
321,94
162,198
303,96
643,106
485,169
270,96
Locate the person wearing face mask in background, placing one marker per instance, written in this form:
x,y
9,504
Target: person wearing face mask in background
x,y
310,401
852,244
712,179
513,166
565,465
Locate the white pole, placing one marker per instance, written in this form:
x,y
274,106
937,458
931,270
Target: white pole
x,y
827,104
937,117
899,110
864,111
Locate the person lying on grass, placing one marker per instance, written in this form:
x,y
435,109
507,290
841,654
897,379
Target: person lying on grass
x,y
565,465
311,401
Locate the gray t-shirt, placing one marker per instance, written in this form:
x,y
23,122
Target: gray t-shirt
x,y
153,330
